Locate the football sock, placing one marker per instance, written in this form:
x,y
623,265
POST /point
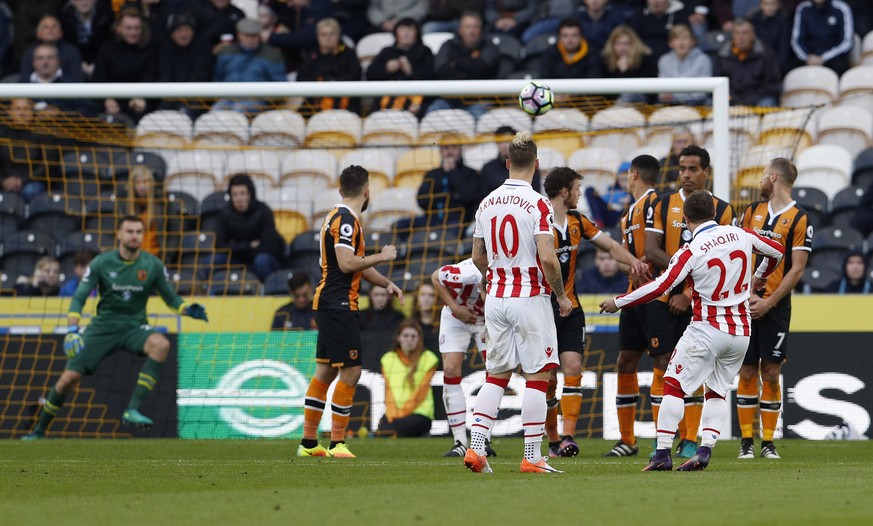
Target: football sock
x,y
626,404
53,404
456,408
146,381
533,418
669,415
485,411
771,405
656,392
571,403
313,407
341,407
552,412
747,404
714,414
693,411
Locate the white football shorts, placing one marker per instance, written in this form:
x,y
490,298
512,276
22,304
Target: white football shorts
x,y
521,333
707,355
455,335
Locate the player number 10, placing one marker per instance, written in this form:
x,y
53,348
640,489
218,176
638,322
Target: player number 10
x,y
509,221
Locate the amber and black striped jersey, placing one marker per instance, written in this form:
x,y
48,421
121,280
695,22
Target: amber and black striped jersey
x,y
338,290
568,238
667,219
633,226
789,227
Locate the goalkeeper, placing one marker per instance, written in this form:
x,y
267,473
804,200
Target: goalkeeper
x,y
125,278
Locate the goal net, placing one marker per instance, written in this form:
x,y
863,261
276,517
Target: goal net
x,y
234,377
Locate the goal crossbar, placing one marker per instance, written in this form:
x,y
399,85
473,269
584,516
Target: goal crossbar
x,y
717,86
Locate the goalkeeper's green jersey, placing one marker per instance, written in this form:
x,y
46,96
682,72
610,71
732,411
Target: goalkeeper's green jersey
x,y
124,287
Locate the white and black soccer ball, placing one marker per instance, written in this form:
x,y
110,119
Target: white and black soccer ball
x,y
535,98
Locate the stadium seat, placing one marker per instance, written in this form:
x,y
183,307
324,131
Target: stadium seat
x,y
11,204
663,121
379,163
390,128
862,175
196,172
534,49
848,126
391,205
618,128
8,225
561,129
597,165
290,223
308,242
510,53
262,166
187,203
658,151
119,165
56,214
20,251
155,162
712,41
867,49
184,281
809,86
755,159
844,205
439,122
781,128
164,129
830,244
369,47
825,167
549,159
196,249
856,87
276,283
221,128
412,165
436,40
816,279
81,174
316,169
234,282
493,119
815,202
744,124
333,129
277,129
476,155
323,203
76,241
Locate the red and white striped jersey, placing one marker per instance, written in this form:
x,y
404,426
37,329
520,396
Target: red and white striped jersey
x,y
462,280
718,264
508,221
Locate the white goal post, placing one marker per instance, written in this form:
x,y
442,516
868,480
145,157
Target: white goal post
x,y
717,86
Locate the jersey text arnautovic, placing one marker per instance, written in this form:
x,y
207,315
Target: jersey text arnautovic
x,y
720,240
509,200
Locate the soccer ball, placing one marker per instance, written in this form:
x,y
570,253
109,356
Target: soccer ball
x,y
536,98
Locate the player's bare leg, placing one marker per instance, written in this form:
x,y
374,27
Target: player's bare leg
x,y
455,402
626,398
157,349
771,406
747,407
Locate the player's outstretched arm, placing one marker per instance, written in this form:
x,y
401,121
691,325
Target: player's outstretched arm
x,y
350,263
375,277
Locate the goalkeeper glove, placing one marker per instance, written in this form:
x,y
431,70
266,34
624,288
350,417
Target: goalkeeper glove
x,y
197,311
73,342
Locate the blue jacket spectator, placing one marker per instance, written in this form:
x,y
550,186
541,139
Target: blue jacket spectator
x,y
598,19
603,278
823,34
248,60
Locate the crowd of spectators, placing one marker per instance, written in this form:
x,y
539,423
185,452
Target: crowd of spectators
x,y
313,40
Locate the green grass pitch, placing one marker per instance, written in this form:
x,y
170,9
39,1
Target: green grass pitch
x,y
163,482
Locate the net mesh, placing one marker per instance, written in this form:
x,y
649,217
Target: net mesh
x,y
172,167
